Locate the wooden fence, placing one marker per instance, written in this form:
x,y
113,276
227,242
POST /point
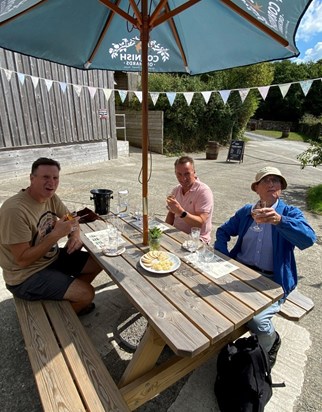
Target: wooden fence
x,y
133,122
35,116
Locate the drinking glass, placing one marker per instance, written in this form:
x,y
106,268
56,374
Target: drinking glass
x,y
256,206
113,241
138,213
170,195
122,202
195,235
208,255
72,214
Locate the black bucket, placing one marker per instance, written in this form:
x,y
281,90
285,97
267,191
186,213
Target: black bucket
x,y
101,199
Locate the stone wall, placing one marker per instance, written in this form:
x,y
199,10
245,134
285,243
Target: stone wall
x,y
270,125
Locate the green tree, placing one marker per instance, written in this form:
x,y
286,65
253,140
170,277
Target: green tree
x,y
295,104
189,128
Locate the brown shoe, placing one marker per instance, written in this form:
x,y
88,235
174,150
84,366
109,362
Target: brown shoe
x,y
272,353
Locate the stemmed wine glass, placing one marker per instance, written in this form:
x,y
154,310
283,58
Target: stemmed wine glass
x,y
254,211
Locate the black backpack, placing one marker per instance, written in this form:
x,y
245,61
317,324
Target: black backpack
x,y
243,382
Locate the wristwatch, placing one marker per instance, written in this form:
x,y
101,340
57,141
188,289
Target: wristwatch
x,y
183,214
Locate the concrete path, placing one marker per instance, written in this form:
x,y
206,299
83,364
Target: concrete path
x,y
299,361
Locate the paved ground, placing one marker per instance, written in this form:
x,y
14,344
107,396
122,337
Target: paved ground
x,y
299,363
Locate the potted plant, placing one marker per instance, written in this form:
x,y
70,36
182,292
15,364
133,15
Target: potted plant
x,y
155,234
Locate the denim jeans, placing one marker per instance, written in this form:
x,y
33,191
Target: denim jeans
x,y
263,327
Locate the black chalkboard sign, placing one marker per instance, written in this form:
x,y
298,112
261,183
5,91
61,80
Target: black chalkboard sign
x,y
236,151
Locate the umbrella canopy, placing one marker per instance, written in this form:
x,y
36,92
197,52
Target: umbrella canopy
x,y
193,36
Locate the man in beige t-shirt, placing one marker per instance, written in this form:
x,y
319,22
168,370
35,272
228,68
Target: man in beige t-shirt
x,y
31,224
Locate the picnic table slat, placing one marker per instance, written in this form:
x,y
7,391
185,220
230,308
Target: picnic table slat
x,y
84,361
54,381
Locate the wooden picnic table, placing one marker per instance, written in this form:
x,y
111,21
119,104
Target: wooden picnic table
x,y
189,310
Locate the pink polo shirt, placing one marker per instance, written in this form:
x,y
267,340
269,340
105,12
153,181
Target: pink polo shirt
x,y
199,199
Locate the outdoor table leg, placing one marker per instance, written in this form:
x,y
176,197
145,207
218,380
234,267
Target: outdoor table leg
x,y
144,358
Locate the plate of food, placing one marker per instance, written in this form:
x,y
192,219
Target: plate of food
x,y
160,262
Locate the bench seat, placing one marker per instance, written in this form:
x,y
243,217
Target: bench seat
x,y
296,306
69,373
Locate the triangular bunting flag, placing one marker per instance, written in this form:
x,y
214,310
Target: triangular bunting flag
x,y
188,96
78,89
263,90
107,93
224,95
154,96
63,86
206,96
92,91
123,94
306,85
35,81
49,83
284,88
21,78
171,96
138,95
243,93
8,74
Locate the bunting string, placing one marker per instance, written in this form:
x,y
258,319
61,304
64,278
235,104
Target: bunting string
x,y
171,96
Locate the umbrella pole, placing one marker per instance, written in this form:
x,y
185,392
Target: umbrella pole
x,y
145,118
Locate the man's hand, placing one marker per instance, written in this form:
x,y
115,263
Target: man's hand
x,y
174,206
268,215
64,227
73,243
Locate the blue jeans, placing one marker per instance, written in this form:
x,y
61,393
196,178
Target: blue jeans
x,y
263,327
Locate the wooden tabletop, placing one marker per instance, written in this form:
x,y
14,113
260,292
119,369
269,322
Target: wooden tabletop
x,y
189,310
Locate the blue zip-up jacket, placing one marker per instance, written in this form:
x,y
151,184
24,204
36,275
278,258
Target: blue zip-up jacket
x,y
293,230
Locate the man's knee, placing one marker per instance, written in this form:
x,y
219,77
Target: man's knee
x,y
80,291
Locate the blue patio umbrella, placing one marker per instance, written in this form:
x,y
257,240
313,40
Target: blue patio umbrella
x,y
192,36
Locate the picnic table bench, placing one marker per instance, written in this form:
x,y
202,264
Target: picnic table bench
x,y
69,373
296,306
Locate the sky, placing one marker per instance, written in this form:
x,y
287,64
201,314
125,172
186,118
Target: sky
x,y
309,34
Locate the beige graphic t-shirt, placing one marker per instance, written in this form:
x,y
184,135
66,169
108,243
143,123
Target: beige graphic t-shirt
x,y
22,219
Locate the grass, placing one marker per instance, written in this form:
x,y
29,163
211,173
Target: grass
x,y
277,134
314,199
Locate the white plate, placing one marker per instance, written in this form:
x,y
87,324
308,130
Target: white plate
x,y
119,252
176,264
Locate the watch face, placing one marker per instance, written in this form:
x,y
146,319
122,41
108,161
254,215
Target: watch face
x,y
183,214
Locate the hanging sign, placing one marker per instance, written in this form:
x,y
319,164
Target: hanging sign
x,y
236,151
103,113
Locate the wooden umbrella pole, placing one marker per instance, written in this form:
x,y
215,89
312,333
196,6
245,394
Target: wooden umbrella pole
x,y
145,119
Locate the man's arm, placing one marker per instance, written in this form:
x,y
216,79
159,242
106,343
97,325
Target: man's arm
x,y
175,208
25,254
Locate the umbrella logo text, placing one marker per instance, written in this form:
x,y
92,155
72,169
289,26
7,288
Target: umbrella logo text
x,y
133,57
274,19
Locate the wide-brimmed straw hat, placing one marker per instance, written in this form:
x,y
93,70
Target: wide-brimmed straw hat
x,y
268,170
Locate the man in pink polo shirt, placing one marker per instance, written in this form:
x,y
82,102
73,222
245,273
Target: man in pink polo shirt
x,y
191,202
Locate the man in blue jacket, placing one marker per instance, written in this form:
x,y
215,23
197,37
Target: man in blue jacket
x,y
267,245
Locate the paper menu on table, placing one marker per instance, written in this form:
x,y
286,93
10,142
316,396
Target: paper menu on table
x,y
216,268
152,223
100,238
